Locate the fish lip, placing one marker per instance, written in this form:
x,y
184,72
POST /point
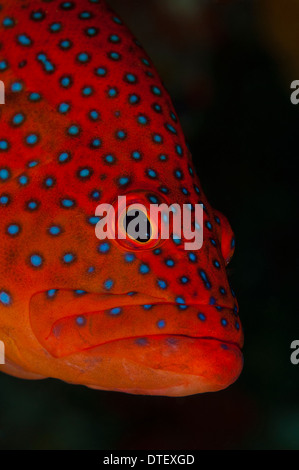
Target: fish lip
x,y
172,335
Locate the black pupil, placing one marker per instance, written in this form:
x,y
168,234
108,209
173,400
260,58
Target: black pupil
x,y
137,226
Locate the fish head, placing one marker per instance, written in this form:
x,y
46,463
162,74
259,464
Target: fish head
x,y
88,126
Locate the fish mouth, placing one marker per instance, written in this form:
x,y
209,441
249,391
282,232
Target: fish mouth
x,y
152,347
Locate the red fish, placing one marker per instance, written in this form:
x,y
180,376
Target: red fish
x,y
87,119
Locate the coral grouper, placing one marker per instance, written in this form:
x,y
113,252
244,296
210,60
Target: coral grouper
x,y
86,119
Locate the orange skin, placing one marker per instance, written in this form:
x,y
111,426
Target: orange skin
x,y
111,317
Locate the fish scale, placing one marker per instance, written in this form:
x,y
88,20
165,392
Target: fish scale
x,y
87,119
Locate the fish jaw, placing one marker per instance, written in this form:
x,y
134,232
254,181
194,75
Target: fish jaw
x,y
169,365
134,351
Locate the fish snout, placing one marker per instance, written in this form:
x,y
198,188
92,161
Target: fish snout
x,y
145,346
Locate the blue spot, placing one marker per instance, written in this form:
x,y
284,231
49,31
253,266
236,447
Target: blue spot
x,y
81,321
16,87
123,180
147,306
157,138
142,120
153,199
144,269
64,157
96,143
83,57
4,174
94,115
36,260
32,163
213,242
201,316
121,135
157,108
180,300
18,119
129,257
136,155
3,144
73,130
161,323
170,128
84,172
205,278
130,78
68,258
162,283
65,44
55,27
108,284
32,205
51,293
5,298
192,257
134,99
145,62
31,139
85,15
170,263
24,40
3,65
112,92
54,230
114,55
101,71
13,229
156,90
4,199
115,311
67,203
63,107
109,159
184,279
80,292
87,91
117,20
179,150
65,81
34,96
93,220
104,247
151,173
49,182
114,38
8,22
223,322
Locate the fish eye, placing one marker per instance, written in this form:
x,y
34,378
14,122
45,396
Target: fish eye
x,y
134,229
137,225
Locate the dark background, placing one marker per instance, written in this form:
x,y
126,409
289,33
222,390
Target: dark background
x,y
229,78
